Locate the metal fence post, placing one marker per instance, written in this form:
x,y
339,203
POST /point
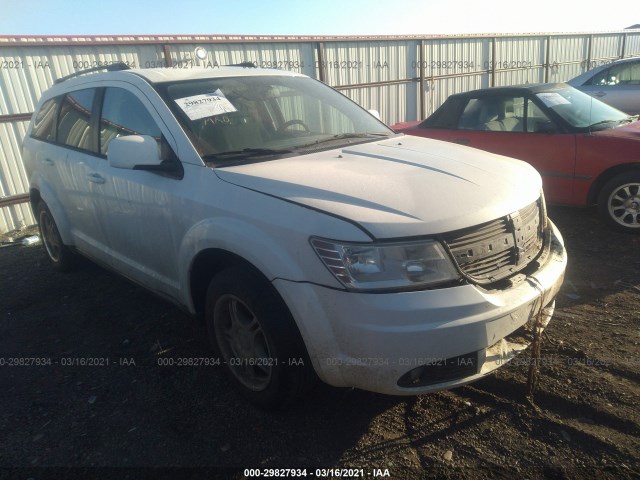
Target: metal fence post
x,y
423,99
166,50
547,60
493,61
320,65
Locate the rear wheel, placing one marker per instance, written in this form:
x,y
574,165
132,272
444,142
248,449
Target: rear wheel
x,y
254,334
619,202
59,254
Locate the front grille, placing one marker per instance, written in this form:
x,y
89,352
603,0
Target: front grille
x,y
497,249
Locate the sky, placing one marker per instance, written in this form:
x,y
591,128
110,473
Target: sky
x,y
304,17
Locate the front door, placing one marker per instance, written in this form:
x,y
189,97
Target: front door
x,y
136,207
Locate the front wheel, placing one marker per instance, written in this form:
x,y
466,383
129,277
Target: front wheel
x,y
255,336
619,202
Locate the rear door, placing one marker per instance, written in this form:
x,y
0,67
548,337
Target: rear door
x,y
76,160
43,157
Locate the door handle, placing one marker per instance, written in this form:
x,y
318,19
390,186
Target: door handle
x,y
599,94
95,178
47,161
461,141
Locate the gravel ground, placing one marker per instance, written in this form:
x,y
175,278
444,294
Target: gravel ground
x,y
117,420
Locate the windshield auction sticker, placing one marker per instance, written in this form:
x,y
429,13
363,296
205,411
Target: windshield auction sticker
x,y
205,105
551,99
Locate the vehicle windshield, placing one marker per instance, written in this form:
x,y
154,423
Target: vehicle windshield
x,y
581,110
254,118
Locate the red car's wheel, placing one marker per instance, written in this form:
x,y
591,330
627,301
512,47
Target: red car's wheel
x,y
619,202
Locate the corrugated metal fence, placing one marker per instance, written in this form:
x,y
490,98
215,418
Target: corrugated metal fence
x,y
404,78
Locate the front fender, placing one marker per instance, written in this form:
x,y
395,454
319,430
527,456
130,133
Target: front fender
x,y
290,260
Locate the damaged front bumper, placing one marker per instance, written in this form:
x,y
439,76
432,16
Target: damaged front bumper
x,y
415,342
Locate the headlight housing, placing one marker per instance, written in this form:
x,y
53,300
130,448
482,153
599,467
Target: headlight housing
x,y
391,266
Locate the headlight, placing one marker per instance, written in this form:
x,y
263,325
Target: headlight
x,y
365,266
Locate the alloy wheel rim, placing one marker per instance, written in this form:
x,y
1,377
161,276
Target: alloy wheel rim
x,y
242,342
624,205
50,237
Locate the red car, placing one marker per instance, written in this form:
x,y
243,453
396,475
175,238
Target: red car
x,y
586,151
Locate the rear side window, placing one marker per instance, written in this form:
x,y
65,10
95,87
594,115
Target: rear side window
x,y
74,120
124,114
447,115
44,125
623,74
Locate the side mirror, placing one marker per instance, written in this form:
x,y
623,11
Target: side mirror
x,y
134,152
375,113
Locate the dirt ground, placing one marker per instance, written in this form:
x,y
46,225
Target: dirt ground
x,y
116,420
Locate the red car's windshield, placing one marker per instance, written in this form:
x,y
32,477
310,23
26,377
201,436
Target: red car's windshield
x,y
581,110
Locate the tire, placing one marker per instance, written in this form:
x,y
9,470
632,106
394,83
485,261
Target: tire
x,y
61,257
619,202
253,333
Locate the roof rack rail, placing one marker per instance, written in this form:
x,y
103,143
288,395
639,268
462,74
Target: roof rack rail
x,y
112,67
246,64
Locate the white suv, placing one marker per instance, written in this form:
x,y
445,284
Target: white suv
x,y
313,239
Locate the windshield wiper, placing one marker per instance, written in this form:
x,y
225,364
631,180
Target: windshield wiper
x,y
245,153
602,122
630,118
342,136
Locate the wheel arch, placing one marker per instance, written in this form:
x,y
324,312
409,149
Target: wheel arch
x,y
44,194
216,243
34,199
607,175
205,265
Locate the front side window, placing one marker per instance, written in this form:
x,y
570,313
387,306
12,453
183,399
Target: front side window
x,y
45,122
236,118
124,114
74,121
538,121
494,113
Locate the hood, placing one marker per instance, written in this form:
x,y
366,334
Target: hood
x,y
399,187
630,130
